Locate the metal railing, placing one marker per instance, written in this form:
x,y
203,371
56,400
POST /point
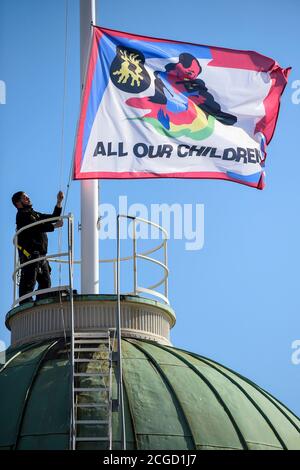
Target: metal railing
x,y
145,256
150,290
67,254
137,288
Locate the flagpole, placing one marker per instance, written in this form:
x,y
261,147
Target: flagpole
x,y
89,188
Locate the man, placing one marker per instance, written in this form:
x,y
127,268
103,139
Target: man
x,y
33,243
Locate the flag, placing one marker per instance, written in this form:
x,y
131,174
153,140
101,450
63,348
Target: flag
x,y
157,108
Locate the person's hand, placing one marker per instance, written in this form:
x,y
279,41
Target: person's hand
x,y
59,224
60,196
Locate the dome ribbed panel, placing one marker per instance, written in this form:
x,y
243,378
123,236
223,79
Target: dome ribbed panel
x,y
174,399
208,419
158,421
277,416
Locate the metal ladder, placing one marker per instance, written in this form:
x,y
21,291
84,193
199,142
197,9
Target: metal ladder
x,y
92,390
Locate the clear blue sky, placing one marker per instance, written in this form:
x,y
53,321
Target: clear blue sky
x,y
237,300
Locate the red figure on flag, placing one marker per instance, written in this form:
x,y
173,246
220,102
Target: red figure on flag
x,y
178,94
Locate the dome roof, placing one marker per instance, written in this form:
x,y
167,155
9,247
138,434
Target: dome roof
x,y
173,400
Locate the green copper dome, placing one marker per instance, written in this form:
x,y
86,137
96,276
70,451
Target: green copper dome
x,y
173,400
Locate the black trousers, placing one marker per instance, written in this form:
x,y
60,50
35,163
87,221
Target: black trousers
x,y
36,272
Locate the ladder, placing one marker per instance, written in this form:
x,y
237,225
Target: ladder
x,y
92,391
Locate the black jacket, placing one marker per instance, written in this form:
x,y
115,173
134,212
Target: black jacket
x,y
35,238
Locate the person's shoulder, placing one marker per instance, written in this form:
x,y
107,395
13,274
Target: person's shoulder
x,y
26,215
22,218
21,213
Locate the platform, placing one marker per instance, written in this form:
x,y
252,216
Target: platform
x,y
141,318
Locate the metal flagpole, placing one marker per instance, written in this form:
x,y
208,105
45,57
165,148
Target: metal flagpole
x,y
89,188
119,340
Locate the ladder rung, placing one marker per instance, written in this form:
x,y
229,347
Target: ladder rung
x,y
90,374
94,389
91,439
91,421
86,360
90,341
88,350
91,405
90,334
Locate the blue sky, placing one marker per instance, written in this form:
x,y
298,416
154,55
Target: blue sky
x,y
236,300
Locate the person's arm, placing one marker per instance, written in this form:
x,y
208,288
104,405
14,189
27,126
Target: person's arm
x,y
49,226
46,226
58,209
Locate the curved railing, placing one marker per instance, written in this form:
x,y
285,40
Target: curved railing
x,y
69,254
150,290
144,255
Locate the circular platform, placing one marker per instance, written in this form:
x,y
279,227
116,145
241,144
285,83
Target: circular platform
x,y
140,318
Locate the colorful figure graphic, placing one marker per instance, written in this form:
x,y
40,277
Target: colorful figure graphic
x,y
181,105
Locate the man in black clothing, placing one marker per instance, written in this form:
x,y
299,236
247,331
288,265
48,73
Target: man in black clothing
x,y
33,243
